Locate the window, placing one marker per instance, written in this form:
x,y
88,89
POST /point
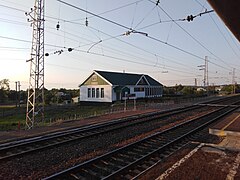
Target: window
x,y
89,93
102,92
138,89
97,93
94,77
93,92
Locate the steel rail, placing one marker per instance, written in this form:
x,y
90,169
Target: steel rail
x,y
22,147
119,162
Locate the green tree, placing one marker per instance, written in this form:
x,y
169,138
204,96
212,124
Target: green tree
x,y
188,90
227,89
4,90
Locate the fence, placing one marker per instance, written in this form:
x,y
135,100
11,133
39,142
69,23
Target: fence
x,y
169,104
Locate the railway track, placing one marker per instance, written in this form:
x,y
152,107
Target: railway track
x,y
25,146
130,161
21,147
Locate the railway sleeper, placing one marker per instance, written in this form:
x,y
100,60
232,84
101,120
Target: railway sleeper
x,y
77,176
161,138
133,154
150,144
139,168
126,157
89,173
113,166
120,161
141,147
127,176
86,173
133,173
137,150
155,158
144,166
117,164
103,170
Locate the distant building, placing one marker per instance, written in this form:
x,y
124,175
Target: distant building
x,y
76,99
201,89
102,86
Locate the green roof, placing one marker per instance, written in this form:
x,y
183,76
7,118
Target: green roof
x,y
122,79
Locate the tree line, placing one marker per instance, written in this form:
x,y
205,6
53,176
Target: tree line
x,y
53,96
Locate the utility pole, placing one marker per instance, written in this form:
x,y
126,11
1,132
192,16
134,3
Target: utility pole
x,y
205,73
233,81
35,100
16,94
19,94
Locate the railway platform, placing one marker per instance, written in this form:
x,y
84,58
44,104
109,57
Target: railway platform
x,y
229,126
230,129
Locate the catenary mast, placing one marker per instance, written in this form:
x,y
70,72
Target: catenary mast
x,y
35,100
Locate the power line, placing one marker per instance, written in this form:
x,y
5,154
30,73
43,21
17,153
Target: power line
x,y
89,44
189,34
130,61
224,36
123,6
127,28
9,7
145,34
139,48
105,19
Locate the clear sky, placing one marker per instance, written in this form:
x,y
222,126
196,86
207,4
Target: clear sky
x,y
171,53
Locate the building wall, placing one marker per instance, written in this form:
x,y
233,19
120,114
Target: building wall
x,y
147,91
84,93
142,92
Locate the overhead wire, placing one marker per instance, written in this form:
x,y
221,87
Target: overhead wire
x,y
147,14
224,37
153,38
122,41
103,18
135,9
203,7
127,60
115,9
127,28
201,58
196,40
144,50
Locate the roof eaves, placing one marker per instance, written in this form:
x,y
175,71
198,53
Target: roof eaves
x,y
86,79
103,77
143,76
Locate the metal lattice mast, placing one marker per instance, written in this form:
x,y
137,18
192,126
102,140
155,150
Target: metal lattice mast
x,y
35,101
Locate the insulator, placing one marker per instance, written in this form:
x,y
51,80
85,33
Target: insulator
x,y
190,18
127,33
86,22
70,49
46,54
58,26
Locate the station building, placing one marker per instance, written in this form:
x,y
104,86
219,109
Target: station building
x,y
103,86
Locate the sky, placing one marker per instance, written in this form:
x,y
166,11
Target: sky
x,y
161,44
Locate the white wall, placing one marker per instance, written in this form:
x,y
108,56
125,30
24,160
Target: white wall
x,y
107,93
138,94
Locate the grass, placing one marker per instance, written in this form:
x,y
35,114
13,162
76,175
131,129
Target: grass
x,y
11,117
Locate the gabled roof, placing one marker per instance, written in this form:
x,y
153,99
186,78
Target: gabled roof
x,y
122,79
